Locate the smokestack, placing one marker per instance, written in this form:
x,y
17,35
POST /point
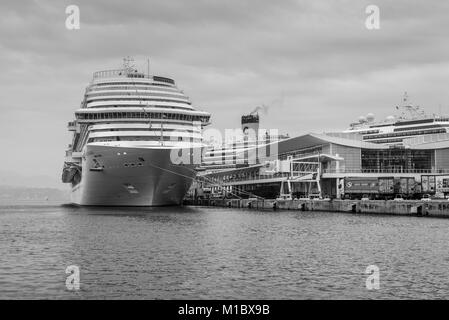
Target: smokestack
x,y
250,122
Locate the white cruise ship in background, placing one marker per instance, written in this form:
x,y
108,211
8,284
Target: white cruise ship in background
x,y
241,150
125,135
411,123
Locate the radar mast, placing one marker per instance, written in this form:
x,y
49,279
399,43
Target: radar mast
x,y
409,111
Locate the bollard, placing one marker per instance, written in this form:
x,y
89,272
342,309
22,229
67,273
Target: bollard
x,y
419,210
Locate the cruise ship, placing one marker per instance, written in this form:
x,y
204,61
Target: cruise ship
x,y
137,141
411,123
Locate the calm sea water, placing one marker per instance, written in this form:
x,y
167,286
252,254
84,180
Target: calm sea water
x,y
218,253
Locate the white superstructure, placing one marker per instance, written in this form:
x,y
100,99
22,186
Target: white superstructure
x,y
137,141
411,123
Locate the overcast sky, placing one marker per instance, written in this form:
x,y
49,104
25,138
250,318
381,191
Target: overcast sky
x,y
313,62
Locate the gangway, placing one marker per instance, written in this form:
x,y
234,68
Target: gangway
x,y
308,170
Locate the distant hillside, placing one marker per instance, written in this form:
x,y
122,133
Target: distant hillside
x,y
14,193
18,179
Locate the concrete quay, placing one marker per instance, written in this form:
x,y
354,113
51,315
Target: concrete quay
x,y
433,208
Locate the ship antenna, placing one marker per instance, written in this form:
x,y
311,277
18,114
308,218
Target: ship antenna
x,y
410,111
405,98
407,112
148,67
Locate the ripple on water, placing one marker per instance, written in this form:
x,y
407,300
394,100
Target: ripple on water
x,y
207,253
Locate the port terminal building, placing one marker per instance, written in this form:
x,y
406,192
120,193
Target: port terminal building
x,y
334,165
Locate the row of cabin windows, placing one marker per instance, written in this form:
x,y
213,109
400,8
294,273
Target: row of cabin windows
x,y
387,141
142,138
134,93
136,99
136,87
146,129
133,83
138,115
418,128
404,134
368,132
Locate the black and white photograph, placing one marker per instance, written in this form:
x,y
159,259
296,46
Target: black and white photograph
x,y
240,152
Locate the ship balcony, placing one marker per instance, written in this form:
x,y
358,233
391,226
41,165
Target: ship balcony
x,y
77,154
73,126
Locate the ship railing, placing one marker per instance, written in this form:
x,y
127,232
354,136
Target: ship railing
x,y
130,73
110,73
411,171
119,73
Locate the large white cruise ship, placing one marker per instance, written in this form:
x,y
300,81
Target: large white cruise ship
x,y
137,141
413,122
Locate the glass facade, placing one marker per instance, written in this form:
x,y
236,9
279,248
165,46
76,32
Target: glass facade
x,y
396,160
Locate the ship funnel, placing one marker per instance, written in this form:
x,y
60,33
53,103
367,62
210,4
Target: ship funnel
x,y
250,122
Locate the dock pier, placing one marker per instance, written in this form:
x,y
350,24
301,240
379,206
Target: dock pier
x,y
434,208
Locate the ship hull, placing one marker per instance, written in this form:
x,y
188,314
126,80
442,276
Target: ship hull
x,y
119,176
